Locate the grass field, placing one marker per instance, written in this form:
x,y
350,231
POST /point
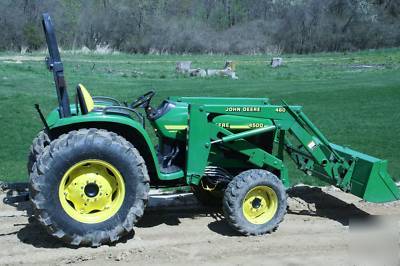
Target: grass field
x,y
354,98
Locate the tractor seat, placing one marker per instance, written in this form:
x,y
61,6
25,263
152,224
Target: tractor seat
x,y
84,99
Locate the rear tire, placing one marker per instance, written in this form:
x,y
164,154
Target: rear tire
x,y
38,144
76,214
255,202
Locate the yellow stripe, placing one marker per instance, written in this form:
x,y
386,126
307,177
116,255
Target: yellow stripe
x,y
176,127
239,126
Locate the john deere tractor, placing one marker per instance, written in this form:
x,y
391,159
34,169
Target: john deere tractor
x,y
92,166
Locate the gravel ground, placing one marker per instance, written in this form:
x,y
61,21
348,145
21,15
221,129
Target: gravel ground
x,y
178,231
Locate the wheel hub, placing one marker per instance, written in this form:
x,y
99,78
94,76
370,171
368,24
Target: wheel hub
x,y
91,190
256,203
260,204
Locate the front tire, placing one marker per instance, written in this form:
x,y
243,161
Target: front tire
x,y
89,187
255,202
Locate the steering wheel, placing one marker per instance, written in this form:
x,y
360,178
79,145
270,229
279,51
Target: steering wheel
x,y
143,101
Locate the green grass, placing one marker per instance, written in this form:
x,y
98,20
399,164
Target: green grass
x,y
353,105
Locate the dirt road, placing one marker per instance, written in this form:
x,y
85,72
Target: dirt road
x,y
314,232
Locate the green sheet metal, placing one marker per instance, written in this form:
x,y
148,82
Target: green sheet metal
x,y
370,179
226,126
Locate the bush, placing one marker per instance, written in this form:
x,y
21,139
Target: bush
x,y
204,26
32,38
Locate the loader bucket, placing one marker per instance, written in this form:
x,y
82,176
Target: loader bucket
x,y
370,179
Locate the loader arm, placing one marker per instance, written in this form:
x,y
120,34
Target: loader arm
x,y
351,171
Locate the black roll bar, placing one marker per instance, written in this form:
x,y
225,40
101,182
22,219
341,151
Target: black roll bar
x,y
55,65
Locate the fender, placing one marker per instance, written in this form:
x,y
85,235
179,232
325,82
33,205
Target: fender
x,y
125,126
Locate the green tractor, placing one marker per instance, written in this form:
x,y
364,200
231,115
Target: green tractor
x,y
92,166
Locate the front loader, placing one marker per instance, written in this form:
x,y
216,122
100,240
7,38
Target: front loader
x,y
92,165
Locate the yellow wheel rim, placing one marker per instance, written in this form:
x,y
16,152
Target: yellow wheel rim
x,y
260,205
92,191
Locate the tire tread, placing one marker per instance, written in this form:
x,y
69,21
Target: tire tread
x,y
37,181
233,193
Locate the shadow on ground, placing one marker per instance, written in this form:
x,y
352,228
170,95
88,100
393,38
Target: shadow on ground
x,y
33,233
36,235
173,218
325,205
